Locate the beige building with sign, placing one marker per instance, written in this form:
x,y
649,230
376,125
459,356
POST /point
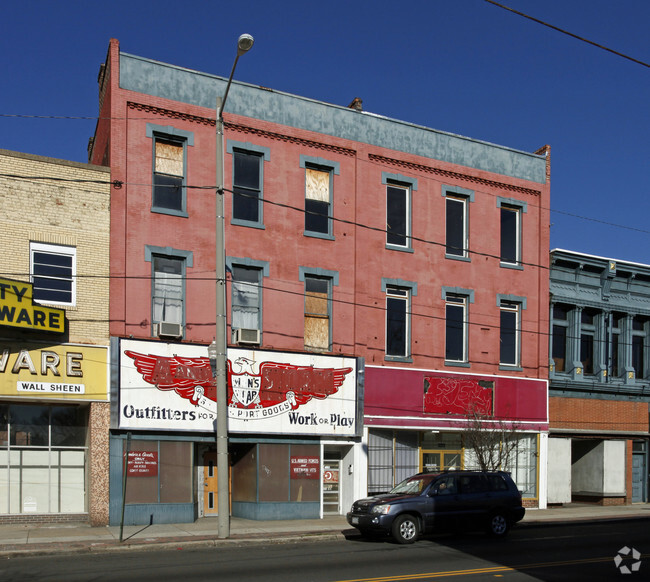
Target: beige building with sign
x,y
54,398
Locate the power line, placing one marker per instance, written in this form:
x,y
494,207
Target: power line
x,y
118,184
580,38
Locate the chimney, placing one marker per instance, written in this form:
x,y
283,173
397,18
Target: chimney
x,y
356,104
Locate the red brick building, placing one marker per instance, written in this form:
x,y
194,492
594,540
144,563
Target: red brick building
x,y
353,242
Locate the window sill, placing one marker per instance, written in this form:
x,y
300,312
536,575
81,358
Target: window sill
x,y
452,363
169,211
321,235
249,224
398,248
458,258
510,368
515,266
405,359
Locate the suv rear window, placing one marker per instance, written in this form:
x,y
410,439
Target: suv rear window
x,y
497,483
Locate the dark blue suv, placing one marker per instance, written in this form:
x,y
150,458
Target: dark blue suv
x,y
432,502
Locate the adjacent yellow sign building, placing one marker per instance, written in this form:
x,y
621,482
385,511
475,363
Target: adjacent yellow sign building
x,y
31,370
17,308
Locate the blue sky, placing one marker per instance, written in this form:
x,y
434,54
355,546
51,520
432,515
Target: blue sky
x,y
463,66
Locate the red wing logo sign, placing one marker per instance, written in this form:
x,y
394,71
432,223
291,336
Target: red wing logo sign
x,y
273,389
458,395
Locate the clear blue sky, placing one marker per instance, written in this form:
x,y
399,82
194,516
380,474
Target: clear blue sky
x,y
462,66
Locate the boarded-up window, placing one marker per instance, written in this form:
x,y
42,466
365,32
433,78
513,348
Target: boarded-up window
x,y
317,316
317,200
168,175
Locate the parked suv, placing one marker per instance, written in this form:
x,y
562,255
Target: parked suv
x,y
432,502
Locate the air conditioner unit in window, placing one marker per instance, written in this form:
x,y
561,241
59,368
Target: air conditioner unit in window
x,y
247,336
168,329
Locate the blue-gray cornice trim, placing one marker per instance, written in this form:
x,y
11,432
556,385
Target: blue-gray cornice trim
x,y
192,87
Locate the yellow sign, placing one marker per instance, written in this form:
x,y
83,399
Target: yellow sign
x,y
72,372
17,308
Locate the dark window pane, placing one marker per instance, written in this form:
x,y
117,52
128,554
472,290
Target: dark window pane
x,y
455,337
247,170
69,426
29,425
559,347
168,192
587,352
615,361
455,227
508,235
316,216
397,216
396,327
508,337
637,356
245,205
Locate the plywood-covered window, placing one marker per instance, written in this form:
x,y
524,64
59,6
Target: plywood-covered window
x,y
317,312
169,174
317,200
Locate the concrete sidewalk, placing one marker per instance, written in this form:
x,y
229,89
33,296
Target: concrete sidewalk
x,y
44,539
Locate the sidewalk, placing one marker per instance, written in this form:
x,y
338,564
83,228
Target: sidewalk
x,y
44,539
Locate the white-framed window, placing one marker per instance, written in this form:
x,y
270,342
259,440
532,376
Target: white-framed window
x,y
53,270
457,302
457,221
510,329
511,231
246,302
399,196
399,296
248,183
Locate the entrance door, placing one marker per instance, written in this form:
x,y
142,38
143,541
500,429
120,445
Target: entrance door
x,y
331,486
210,487
436,461
638,477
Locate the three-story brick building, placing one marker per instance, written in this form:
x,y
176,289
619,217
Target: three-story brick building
x,y
399,273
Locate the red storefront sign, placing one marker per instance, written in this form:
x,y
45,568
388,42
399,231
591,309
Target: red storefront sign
x,y
305,467
142,464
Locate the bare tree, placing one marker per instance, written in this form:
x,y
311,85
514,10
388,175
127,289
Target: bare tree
x,y
493,442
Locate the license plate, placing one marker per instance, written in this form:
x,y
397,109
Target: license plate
x,y
355,520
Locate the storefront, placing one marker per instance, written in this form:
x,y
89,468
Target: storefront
x,y
294,424
418,420
46,391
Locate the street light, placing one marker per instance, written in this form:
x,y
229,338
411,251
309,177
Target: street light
x,y
217,350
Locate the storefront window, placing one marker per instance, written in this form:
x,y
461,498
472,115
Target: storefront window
x,y
159,471
43,459
392,456
523,466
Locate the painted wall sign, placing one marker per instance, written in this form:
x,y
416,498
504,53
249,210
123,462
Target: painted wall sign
x,y
458,395
33,370
171,387
17,309
305,467
142,464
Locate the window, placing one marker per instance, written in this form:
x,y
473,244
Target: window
x,y
560,328
168,175
456,323
511,211
167,289
246,297
317,312
587,341
510,332
318,195
53,270
398,317
169,168
44,458
457,221
616,369
247,181
638,345
398,210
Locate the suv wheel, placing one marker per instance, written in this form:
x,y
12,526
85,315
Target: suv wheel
x,y
498,525
405,529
